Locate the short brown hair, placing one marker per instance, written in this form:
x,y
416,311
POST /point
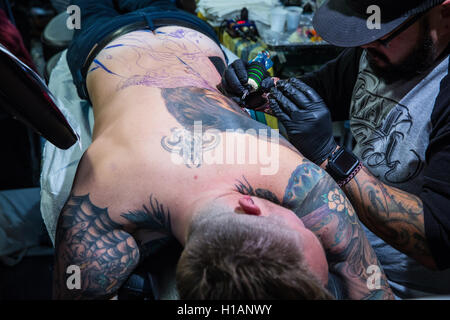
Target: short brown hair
x,y
236,256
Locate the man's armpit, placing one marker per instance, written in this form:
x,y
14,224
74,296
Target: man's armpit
x,y
301,182
151,226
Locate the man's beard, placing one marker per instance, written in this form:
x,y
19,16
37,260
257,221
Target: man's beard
x,y
416,63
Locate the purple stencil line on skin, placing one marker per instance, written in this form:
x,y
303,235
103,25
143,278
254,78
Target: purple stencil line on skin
x,y
114,46
194,72
179,34
190,68
158,81
93,69
183,62
105,68
134,38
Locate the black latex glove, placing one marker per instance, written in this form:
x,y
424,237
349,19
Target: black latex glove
x,y
235,85
306,118
234,80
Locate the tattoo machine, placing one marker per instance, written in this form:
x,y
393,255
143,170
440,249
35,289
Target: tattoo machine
x,y
257,71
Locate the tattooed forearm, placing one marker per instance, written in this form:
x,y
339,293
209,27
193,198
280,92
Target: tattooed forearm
x,y
89,239
392,214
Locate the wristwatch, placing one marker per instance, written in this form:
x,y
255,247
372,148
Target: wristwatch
x,y
342,164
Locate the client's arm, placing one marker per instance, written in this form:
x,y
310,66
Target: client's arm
x,y
89,241
327,212
324,209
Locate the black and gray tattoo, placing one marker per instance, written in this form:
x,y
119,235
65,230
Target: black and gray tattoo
x,y
87,238
105,252
215,114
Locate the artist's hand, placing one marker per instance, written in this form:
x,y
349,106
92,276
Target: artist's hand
x,y
235,85
306,118
234,80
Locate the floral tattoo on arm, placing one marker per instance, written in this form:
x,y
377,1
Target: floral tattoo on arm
x,y
325,210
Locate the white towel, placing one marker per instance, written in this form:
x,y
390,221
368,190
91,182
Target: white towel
x,y
59,166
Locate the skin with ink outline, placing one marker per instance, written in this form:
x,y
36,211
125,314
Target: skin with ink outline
x,y
169,92
163,53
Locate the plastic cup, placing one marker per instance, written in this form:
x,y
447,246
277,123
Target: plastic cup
x,y
278,19
293,17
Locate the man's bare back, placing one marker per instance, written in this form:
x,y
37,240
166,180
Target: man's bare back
x,y
138,123
160,151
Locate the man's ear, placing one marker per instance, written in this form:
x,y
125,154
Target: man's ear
x,y
248,206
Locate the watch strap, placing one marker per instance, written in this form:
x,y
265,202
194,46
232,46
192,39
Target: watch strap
x,y
342,180
351,176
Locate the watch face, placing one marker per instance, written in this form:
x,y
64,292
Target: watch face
x,y
346,162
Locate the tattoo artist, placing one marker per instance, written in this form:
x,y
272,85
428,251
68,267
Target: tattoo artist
x,y
393,84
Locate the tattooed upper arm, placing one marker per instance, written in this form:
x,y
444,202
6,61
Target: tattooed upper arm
x,y
324,209
89,239
106,252
315,198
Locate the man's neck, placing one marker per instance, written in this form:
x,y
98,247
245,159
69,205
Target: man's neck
x,y
211,202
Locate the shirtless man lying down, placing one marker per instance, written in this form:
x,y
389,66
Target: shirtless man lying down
x,y
153,173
